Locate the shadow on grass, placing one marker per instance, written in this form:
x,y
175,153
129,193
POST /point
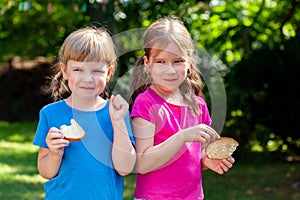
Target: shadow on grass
x,y
251,181
20,189
19,178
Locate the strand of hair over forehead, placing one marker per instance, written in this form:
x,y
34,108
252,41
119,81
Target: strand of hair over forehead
x,y
166,30
89,44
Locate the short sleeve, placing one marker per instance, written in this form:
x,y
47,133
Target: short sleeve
x,y
41,131
142,108
129,129
205,116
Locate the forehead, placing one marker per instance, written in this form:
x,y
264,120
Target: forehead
x,y
170,49
72,63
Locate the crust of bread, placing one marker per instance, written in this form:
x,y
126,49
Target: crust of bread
x,y
221,148
74,132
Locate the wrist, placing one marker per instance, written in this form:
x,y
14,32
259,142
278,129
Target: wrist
x,y
203,165
55,156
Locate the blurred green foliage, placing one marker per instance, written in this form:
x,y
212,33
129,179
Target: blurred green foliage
x,y
251,44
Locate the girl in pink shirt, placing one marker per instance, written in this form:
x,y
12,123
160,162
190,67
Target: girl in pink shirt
x,y
170,119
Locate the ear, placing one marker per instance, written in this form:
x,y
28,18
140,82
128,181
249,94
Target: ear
x,y
109,73
145,58
146,63
63,69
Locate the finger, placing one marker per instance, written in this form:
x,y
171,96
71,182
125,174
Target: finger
x,y
202,135
202,139
220,170
227,163
112,97
224,167
62,142
55,135
58,144
213,132
231,160
119,102
204,130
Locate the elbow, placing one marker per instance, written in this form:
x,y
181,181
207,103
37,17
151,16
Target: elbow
x,y
131,165
123,173
45,175
128,167
142,169
141,166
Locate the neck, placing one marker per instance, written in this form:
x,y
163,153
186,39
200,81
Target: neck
x,y
174,97
86,104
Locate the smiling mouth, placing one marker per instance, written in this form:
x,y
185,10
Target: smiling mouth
x,y
87,88
170,80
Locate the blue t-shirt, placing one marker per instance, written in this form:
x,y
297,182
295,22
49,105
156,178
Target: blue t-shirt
x,y
86,171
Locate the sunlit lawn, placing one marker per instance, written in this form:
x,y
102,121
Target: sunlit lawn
x,y
19,179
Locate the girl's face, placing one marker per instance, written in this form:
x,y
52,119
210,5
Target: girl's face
x,y
168,68
86,79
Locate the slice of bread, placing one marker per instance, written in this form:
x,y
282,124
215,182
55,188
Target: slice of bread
x,y
221,148
74,132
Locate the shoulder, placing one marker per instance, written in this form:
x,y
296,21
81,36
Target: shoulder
x,y
58,105
148,96
147,100
201,101
145,104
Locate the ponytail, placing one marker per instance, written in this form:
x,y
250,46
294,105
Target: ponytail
x,y
140,80
59,87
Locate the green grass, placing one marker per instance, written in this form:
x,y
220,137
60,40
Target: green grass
x,y
19,178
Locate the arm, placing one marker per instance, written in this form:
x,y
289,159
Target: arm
x,y
123,152
150,157
49,160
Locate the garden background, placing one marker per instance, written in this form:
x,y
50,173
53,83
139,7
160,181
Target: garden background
x,y
250,61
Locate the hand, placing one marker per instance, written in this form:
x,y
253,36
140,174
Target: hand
x,y
56,142
200,133
218,166
118,108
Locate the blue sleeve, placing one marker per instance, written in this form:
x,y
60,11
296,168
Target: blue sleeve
x,y
41,131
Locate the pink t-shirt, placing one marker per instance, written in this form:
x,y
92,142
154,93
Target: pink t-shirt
x,y
181,177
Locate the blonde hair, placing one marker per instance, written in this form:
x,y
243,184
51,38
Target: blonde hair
x,y
158,36
88,44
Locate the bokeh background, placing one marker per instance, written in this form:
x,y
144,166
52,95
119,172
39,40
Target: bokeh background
x,y
251,46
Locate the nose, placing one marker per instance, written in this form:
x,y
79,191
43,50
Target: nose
x,y
170,68
88,77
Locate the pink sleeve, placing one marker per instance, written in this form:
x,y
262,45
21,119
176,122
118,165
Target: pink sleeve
x,y
142,108
205,116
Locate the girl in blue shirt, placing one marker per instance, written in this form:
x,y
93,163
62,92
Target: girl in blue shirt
x,y
92,168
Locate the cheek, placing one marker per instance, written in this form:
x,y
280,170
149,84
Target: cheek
x,y
181,71
156,71
71,83
101,82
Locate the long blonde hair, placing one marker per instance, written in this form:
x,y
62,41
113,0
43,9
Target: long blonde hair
x,y
158,36
88,44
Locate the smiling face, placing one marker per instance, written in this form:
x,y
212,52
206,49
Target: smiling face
x,y
86,80
168,68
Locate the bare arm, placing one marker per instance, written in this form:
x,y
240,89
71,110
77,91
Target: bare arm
x,y
49,160
123,152
150,157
